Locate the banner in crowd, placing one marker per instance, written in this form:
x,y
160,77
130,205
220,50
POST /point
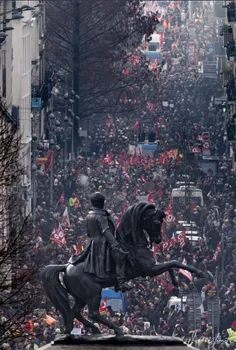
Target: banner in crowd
x,y
49,320
65,221
103,306
48,163
58,235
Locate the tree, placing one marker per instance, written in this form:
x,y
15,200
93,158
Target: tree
x,y
93,42
16,268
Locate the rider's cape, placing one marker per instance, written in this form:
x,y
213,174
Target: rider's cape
x,y
97,256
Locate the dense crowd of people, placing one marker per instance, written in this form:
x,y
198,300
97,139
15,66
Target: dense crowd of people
x,y
125,178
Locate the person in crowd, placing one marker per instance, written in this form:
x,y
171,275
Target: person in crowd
x,y
232,332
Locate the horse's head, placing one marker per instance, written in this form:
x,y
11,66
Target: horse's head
x,y
152,221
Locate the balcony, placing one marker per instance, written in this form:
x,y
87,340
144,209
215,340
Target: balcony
x,y
231,131
223,29
227,36
231,12
226,75
231,51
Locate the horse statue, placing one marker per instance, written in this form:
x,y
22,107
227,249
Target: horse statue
x,y
139,228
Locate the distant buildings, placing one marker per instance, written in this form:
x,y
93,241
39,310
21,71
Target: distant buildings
x,y
22,29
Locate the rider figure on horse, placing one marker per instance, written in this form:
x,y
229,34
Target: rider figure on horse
x,y
104,249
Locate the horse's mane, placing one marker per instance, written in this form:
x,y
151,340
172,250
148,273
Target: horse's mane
x,y
130,226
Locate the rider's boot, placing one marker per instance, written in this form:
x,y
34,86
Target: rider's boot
x,y
123,286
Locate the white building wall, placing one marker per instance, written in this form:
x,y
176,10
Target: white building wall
x,y
21,80
6,60
19,61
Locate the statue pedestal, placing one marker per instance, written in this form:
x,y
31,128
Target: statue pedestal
x,y
111,342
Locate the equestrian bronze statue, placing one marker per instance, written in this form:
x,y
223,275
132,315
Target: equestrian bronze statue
x,y
110,260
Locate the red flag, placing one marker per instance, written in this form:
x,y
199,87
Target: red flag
x,y
58,235
110,121
122,159
217,251
126,175
79,248
156,249
132,158
77,203
182,239
30,326
185,272
103,307
150,196
165,244
137,124
54,231
173,153
48,163
136,159
135,59
143,179
108,158
62,198
169,213
173,240
150,106
163,158
65,221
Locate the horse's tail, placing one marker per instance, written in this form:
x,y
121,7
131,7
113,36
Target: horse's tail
x,y
54,290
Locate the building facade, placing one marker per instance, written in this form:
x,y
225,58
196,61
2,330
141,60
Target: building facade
x,y
225,51
22,76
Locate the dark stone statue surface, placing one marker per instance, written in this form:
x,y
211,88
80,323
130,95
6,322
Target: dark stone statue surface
x,y
111,342
110,260
118,340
